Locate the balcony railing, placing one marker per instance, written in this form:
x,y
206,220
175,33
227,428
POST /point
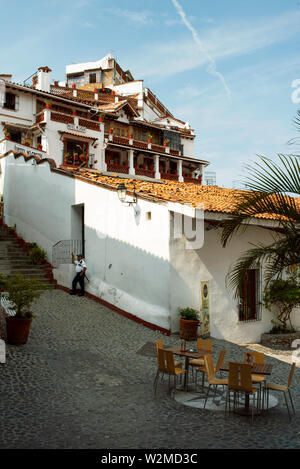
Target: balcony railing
x,y
141,145
7,145
194,180
116,168
144,172
172,177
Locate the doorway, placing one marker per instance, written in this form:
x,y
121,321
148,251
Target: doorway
x,y
77,228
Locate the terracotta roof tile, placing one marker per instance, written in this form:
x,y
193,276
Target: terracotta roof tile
x,y
215,199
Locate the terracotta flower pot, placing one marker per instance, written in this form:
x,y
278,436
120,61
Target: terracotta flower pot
x,y
188,329
17,330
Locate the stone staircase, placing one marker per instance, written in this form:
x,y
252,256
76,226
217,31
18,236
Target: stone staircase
x,y
14,259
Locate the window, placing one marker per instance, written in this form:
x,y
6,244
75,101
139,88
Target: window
x,y
11,101
92,78
249,305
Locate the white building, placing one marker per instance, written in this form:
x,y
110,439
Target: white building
x,y
138,258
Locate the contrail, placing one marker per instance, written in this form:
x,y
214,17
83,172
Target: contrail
x,y
211,68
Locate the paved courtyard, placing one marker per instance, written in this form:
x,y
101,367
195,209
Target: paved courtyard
x,y
84,380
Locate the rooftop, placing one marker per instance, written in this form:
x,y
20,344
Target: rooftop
x,y
214,198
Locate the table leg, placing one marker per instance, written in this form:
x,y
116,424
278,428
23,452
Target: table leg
x,y
186,375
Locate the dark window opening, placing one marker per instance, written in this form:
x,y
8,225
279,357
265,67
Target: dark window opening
x,y
92,78
10,101
15,135
250,300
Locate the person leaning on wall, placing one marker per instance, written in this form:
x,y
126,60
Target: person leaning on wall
x,y
80,267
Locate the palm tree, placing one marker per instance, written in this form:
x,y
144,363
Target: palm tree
x,y
271,194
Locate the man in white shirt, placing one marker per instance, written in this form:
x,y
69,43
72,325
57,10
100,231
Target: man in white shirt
x,y
80,273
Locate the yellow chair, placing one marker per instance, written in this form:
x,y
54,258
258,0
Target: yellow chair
x,y
202,344
158,345
240,381
281,388
211,377
255,357
166,366
219,364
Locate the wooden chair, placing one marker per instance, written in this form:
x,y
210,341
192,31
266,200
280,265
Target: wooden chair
x,y
240,381
166,365
219,364
211,377
255,357
281,388
158,345
202,344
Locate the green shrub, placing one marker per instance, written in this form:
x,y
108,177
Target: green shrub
x,y
22,292
188,314
37,254
284,294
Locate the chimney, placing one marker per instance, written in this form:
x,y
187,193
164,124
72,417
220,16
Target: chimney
x,y
6,77
43,81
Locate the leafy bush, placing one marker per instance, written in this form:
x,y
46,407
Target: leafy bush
x,y
37,254
22,292
284,294
188,314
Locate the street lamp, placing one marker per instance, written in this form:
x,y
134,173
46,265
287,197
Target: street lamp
x,y
122,195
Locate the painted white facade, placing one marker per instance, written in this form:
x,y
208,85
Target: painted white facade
x,y
133,260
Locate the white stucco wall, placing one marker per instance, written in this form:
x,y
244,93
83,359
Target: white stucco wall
x,y
132,261
126,254
211,263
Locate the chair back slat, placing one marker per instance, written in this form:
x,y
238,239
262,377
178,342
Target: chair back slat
x,y
291,374
204,344
169,359
161,360
158,345
220,360
253,357
239,377
209,367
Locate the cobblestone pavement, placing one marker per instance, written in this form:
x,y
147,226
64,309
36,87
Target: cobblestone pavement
x,y
80,383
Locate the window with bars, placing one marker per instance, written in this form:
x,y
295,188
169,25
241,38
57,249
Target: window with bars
x,y
249,304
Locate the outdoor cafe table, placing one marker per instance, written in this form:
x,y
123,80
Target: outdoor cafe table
x,y
184,353
257,369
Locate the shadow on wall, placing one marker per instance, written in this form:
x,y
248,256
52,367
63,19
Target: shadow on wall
x,y
39,199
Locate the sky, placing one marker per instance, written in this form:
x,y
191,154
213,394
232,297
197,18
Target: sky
x,y
228,68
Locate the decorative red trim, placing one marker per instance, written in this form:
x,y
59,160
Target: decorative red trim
x,y
120,311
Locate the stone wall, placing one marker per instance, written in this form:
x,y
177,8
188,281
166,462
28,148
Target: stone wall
x,y
279,340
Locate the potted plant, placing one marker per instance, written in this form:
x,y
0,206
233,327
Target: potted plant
x,y
37,255
110,131
149,137
22,292
100,119
40,146
7,135
188,323
165,144
73,112
47,104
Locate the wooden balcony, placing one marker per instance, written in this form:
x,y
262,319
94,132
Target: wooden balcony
x,y
116,168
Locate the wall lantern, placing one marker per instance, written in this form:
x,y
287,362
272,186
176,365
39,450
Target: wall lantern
x,y
122,195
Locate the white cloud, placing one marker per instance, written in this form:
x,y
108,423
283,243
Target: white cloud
x,y
212,67
233,39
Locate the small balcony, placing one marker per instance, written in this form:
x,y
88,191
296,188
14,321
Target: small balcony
x,y
117,168
9,145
